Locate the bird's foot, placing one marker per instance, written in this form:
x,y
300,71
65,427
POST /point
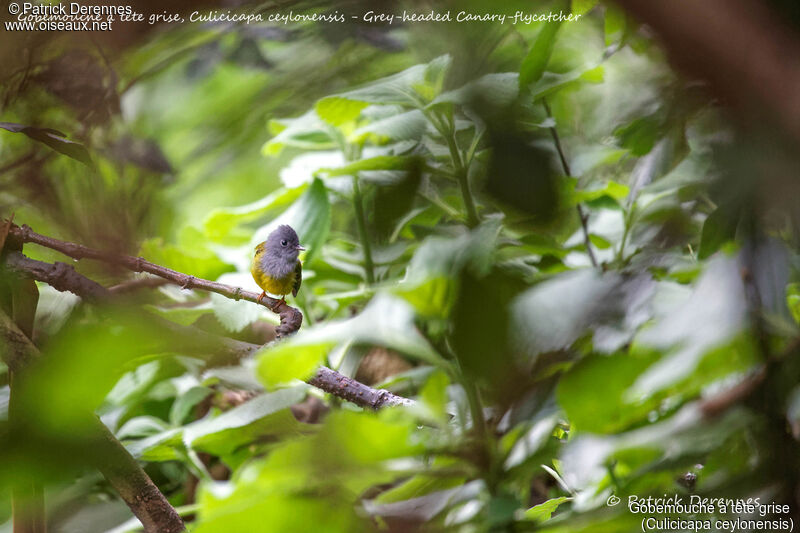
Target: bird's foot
x,y
261,296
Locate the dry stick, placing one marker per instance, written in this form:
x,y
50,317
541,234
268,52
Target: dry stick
x,y
113,460
291,318
354,391
64,278
581,214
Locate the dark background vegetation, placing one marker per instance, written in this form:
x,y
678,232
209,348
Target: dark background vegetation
x,y
574,246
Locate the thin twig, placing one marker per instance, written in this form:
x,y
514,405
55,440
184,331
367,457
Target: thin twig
x,y
584,217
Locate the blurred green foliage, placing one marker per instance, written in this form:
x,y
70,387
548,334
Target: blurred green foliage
x,y
422,173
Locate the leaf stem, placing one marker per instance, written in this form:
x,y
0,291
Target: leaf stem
x,y
448,133
369,267
582,215
351,153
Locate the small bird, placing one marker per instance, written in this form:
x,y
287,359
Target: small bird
x,y
276,267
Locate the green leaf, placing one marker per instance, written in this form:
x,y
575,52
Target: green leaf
x,y
718,228
186,402
432,297
555,313
221,222
386,321
198,260
542,512
429,284
409,125
551,82
52,138
434,394
612,189
381,162
684,436
535,63
337,111
592,157
162,446
141,426
640,135
498,90
181,315
533,440
420,485
409,88
263,416
307,132
615,25
580,7
289,361
608,377
423,508
717,302
232,314
793,300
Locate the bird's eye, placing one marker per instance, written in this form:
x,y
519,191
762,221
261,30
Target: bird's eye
x,y
283,242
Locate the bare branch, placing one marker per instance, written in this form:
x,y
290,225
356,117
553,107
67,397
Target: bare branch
x,y
353,391
60,276
291,318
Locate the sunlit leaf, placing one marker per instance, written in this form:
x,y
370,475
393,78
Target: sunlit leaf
x,y
263,416
615,25
402,126
579,7
337,111
307,132
534,64
386,321
221,222
543,511
551,82
383,162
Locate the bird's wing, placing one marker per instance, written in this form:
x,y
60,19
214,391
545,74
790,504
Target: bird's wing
x,y
298,278
260,247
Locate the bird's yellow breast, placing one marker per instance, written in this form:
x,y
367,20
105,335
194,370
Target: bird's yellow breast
x,y
278,287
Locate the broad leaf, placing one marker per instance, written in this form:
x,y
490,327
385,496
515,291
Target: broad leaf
x,y
52,138
534,64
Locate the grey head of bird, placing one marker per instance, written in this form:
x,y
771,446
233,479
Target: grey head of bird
x,y
284,245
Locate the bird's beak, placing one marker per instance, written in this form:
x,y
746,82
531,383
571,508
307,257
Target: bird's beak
x,y
300,248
